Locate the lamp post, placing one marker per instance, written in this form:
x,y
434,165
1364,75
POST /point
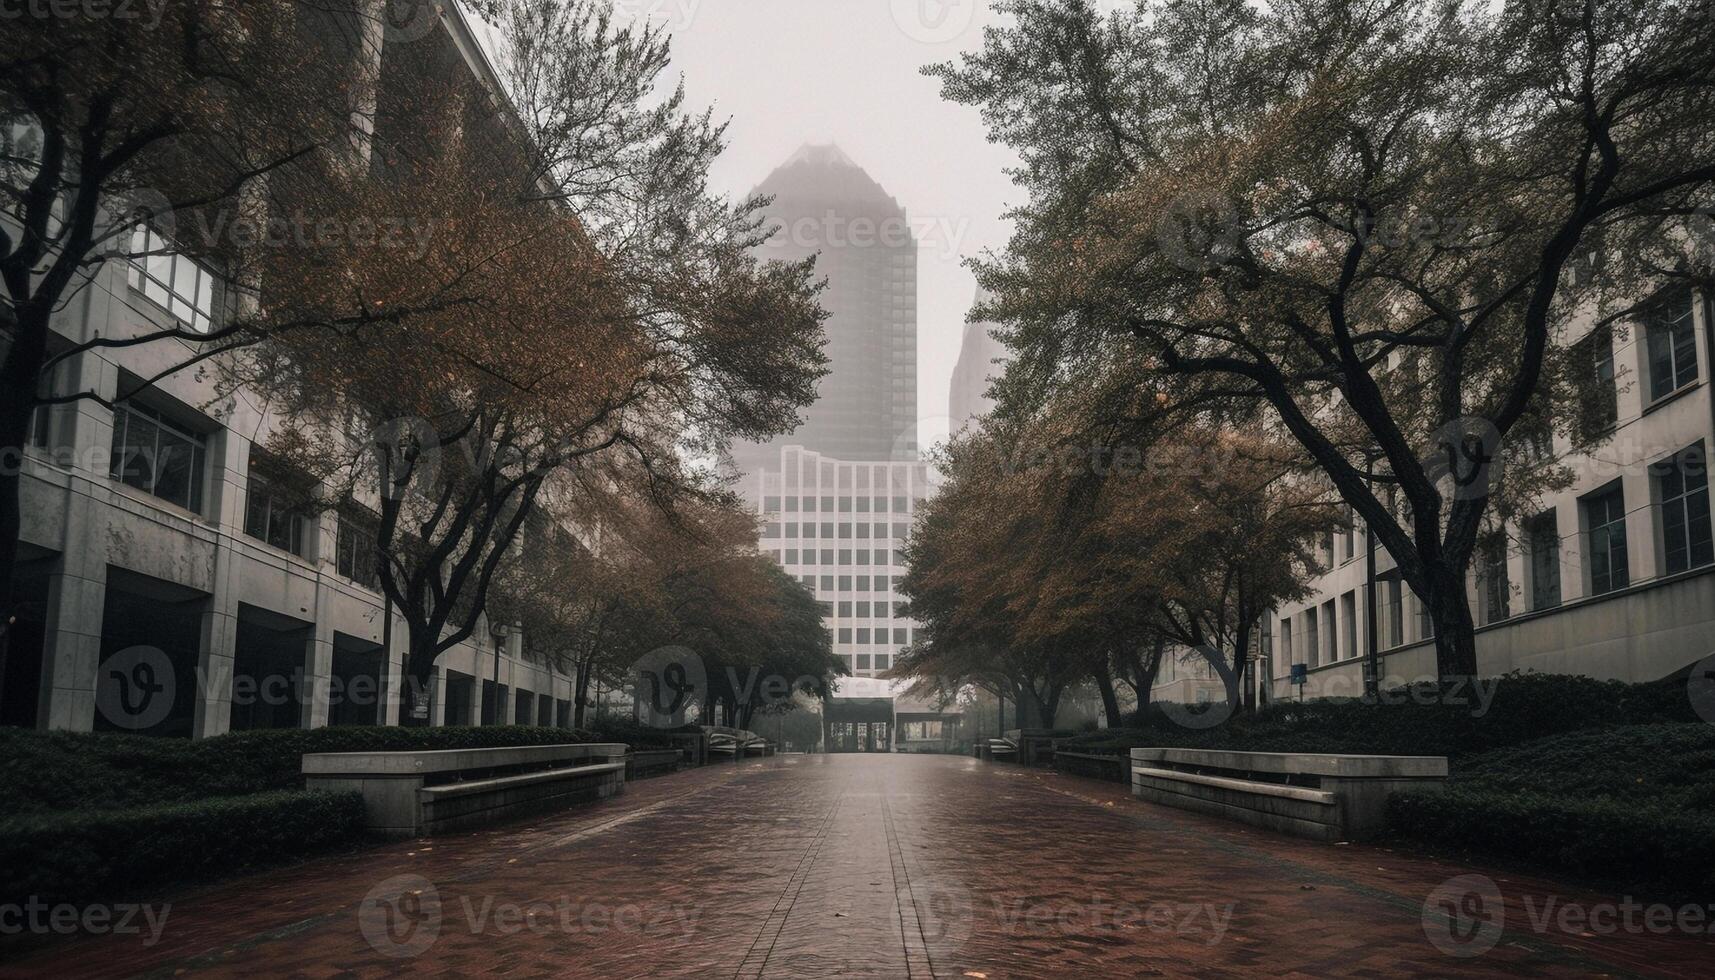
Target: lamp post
x,y
1372,670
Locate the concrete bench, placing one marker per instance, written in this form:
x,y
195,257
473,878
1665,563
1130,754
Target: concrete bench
x,y
1095,765
410,794
640,763
997,749
1322,796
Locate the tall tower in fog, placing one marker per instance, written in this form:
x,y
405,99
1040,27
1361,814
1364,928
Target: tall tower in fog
x,y
866,407
980,358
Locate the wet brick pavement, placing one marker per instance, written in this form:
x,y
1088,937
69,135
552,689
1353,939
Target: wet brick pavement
x,y
871,866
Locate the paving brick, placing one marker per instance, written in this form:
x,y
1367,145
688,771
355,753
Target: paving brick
x,y
857,866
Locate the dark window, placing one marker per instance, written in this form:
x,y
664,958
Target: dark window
x,y
274,512
863,610
791,556
1683,483
845,634
882,661
1497,589
1593,360
1605,515
157,457
827,583
1395,612
1672,346
899,635
355,550
1543,534
845,607
827,556
863,634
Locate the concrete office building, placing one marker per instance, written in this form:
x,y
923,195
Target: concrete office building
x,y
167,588
1612,577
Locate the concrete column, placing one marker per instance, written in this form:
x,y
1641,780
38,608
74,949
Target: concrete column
x,y
394,673
318,663
217,647
438,707
77,588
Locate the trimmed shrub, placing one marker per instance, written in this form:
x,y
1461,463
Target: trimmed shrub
x,y
45,771
609,728
1648,847
1417,721
110,854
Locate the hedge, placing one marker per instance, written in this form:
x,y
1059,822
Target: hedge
x,y
46,771
1650,848
112,854
1415,721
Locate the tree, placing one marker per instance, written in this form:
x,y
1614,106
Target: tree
x,y
204,128
1373,219
622,324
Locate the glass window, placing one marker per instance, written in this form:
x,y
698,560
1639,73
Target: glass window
x,y
881,583
1672,346
863,505
791,556
1683,484
827,583
882,661
771,504
863,583
845,583
845,556
863,609
791,505
827,505
1497,590
845,608
827,529
845,634
156,456
1395,612
883,557
863,661
273,513
809,529
1594,360
863,634
356,550
174,282
899,635
1605,515
827,556
1543,532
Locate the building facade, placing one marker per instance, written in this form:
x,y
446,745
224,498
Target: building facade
x,y
169,586
1612,577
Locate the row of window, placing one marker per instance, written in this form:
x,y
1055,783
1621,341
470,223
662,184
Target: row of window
x,y
865,583
865,661
1669,362
846,556
1681,506
898,636
830,505
808,529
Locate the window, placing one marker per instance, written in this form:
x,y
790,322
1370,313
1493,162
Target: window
x,y
791,505
827,583
1286,643
1349,617
355,550
1312,644
846,608
827,556
845,634
1331,643
1497,590
1593,359
881,583
156,456
1605,516
809,529
845,583
827,529
863,609
863,661
863,583
791,556
899,635
1395,594
845,556
1543,534
174,282
274,513
883,557
1672,345
771,504
882,661
1425,622
1683,486
863,634
772,530
810,504
863,556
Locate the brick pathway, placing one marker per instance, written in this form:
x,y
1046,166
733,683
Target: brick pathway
x,y
878,866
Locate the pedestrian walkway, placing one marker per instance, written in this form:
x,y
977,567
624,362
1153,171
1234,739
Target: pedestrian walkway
x,y
880,866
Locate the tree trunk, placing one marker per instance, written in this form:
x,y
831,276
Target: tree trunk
x,y
416,707
1110,699
580,695
1455,630
19,376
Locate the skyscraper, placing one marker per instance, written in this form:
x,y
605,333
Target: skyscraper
x,y
837,495
979,352
866,407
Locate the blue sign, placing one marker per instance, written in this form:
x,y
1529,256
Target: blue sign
x,y
1300,673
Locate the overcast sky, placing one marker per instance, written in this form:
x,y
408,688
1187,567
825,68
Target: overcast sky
x,y
847,71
